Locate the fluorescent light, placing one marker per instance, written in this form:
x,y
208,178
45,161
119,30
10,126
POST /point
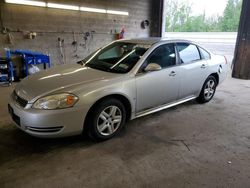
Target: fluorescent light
x,y
27,2
62,6
87,9
118,12
67,7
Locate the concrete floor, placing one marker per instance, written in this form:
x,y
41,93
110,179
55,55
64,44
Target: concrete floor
x,y
190,145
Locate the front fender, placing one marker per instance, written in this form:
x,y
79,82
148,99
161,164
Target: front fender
x,y
91,94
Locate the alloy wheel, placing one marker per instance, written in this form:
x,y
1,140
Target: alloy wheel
x,y
209,89
109,120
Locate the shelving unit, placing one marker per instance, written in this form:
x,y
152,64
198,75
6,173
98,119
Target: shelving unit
x,y
29,58
5,70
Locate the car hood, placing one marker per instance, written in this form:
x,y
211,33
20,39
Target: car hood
x,y
59,78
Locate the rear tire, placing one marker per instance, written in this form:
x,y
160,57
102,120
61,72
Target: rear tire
x,y
208,90
106,119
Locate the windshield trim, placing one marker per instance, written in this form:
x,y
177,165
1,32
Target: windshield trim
x,y
93,56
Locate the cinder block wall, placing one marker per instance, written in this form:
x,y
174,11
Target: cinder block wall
x,y
52,24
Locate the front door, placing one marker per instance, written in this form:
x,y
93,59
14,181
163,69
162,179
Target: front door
x,y
158,87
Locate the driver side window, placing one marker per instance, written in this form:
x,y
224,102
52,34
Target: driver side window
x,y
164,56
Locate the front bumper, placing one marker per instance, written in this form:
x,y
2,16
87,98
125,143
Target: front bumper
x,y
48,123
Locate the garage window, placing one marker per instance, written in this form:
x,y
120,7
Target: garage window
x,y
188,52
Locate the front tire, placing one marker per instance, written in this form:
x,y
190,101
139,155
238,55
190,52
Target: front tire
x,y
208,90
106,119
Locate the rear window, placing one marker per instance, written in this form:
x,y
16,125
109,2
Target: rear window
x,y
188,52
204,54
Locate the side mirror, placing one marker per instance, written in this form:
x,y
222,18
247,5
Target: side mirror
x,y
152,67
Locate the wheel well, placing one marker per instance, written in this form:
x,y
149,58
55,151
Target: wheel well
x,y
216,76
121,98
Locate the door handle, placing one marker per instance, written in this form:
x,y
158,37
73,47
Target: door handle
x,y
172,73
203,66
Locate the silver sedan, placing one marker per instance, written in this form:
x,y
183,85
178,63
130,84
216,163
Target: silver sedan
x,y
124,80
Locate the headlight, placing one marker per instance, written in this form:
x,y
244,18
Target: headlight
x,y
57,101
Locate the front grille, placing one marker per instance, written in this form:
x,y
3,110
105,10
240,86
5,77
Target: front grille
x,y
44,129
22,102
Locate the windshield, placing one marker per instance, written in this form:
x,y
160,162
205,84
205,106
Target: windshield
x,y
118,57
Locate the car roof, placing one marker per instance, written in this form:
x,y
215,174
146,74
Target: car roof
x,y
154,40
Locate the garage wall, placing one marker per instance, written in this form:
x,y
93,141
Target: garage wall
x,y
52,25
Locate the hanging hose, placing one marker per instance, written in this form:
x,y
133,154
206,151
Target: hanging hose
x,y
61,48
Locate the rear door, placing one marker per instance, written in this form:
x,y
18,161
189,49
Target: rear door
x,y
194,69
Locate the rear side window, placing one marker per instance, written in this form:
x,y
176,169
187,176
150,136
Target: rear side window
x,y
204,53
188,52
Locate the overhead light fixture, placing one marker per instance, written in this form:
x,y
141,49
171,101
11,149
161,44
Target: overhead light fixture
x,y
27,2
118,12
62,6
88,9
67,7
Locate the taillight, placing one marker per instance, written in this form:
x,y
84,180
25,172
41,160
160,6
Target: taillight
x,y
225,59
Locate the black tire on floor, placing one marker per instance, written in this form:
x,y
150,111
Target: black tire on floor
x,y
202,97
94,119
